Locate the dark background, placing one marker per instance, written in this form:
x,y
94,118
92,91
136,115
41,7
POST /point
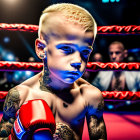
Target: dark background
x,y
21,44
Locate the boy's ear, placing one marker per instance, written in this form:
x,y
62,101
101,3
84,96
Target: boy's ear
x,y
40,45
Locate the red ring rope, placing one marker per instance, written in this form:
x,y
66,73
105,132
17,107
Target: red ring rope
x,y
14,66
121,95
91,66
115,29
97,66
19,27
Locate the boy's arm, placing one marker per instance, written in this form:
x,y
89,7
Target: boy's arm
x,y
11,105
94,116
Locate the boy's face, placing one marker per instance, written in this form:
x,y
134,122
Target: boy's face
x,y
67,50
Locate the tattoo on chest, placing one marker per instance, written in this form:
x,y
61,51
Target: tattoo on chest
x,y
118,81
63,132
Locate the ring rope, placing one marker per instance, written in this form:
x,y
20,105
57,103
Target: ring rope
x,y
121,95
115,29
21,66
98,66
115,95
19,27
91,66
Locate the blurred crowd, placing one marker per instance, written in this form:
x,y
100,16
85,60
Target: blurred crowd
x,y
9,79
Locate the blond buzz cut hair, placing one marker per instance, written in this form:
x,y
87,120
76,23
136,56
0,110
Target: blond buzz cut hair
x,y
72,13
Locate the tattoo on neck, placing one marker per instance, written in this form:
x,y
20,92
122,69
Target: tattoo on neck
x,y
44,86
45,79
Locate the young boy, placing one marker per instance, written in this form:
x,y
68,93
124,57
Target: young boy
x,y
66,35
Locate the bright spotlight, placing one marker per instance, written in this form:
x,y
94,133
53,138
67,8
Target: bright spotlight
x,y
11,2
10,57
110,106
28,74
6,39
128,102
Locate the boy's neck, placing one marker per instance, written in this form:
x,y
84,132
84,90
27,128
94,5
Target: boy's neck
x,y
50,83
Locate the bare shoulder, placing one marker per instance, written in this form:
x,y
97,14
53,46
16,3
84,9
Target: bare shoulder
x,y
91,94
31,81
27,86
20,92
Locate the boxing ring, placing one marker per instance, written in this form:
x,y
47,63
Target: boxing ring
x,y
120,126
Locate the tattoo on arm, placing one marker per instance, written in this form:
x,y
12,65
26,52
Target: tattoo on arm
x,y
63,132
5,127
10,108
97,128
96,125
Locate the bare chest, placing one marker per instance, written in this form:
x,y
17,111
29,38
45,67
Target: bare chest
x,y
68,111
118,83
71,113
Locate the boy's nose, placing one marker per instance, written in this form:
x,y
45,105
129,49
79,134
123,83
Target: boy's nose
x,y
76,65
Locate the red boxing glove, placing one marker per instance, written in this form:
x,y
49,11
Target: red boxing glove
x,y
34,121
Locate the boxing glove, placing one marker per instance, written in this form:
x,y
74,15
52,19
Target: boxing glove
x,y
34,121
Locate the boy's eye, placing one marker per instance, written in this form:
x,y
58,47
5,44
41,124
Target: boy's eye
x,y
85,52
67,49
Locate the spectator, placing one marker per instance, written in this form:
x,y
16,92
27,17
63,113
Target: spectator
x,y
117,80
97,57
31,59
89,76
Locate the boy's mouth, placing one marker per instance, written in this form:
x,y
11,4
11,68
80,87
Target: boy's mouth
x,y
76,73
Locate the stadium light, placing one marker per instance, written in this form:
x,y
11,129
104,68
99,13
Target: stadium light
x,y
111,1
